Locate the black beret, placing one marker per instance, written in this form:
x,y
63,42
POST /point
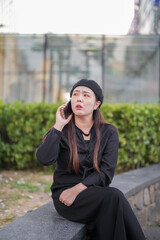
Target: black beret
x,y
92,85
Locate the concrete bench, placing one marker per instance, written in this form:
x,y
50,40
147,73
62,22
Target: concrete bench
x,y
44,223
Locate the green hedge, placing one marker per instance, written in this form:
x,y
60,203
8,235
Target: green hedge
x,y
22,127
139,133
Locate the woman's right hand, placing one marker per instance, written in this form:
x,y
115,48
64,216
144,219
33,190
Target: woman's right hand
x,y
61,121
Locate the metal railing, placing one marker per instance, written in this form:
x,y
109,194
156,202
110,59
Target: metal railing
x,y
44,67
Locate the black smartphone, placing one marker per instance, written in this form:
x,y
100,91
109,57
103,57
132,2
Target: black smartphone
x,y
68,109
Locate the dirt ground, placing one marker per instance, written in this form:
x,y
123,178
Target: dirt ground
x,y
22,191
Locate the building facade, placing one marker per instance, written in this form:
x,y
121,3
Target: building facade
x,y
147,17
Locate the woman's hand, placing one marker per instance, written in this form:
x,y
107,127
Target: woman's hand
x,y
69,195
61,121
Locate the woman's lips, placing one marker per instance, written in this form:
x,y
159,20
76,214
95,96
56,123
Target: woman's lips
x,y
78,107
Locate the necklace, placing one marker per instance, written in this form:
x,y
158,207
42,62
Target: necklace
x,y
85,133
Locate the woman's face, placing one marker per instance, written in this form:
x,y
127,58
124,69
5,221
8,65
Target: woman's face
x,y
83,101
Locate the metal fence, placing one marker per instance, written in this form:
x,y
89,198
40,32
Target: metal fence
x,y
44,67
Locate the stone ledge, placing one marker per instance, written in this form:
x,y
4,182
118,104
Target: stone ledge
x,y
133,181
45,223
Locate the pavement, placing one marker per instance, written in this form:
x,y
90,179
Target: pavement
x,y
152,233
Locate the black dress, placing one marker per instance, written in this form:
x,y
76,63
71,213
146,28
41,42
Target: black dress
x,y
105,210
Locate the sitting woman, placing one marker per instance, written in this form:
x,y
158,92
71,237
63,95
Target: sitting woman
x,y
85,149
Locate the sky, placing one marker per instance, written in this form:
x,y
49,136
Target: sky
x,y
73,16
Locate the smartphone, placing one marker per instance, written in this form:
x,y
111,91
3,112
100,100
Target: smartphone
x,y
67,110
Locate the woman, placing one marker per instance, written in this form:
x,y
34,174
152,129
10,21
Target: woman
x,y
85,149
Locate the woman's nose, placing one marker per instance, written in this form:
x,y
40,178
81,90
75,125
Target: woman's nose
x,y
80,98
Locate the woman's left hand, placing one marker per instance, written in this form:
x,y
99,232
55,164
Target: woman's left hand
x,y
68,196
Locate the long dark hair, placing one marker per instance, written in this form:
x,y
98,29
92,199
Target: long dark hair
x,y
74,162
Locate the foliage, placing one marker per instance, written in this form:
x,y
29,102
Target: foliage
x,y
22,127
139,133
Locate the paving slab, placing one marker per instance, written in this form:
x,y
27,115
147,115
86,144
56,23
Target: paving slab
x,y
152,233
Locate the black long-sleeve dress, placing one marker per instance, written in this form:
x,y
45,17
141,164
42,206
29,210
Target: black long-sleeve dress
x,y
104,210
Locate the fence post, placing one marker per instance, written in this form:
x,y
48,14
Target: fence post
x,y
44,66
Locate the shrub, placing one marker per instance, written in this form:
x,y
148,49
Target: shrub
x,y
22,127
139,133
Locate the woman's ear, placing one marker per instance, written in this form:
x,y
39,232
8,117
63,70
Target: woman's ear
x,y
97,104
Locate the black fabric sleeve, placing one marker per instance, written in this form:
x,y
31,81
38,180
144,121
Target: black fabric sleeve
x,y
48,151
107,164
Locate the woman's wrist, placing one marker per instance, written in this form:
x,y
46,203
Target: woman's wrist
x,y
80,187
59,127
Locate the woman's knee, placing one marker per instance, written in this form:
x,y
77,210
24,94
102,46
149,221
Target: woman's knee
x,y
114,193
